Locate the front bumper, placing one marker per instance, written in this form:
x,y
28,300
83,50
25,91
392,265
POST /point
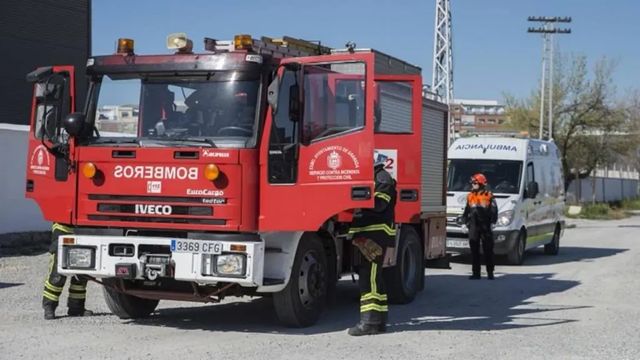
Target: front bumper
x,y
154,255
503,242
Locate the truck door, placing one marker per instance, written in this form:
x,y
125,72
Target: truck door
x,y
317,151
49,164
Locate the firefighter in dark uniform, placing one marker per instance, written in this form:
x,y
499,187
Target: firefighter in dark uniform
x,y
373,231
54,282
480,213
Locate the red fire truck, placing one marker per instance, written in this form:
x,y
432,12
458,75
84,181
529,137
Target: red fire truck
x,y
235,171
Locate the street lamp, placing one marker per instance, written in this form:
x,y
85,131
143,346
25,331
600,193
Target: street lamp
x,y
547,31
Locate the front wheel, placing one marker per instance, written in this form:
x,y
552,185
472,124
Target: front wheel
x,y
553,247
404,280
516,255
300,303
127,306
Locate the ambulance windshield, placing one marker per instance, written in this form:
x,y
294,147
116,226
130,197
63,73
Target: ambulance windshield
x,y
503,175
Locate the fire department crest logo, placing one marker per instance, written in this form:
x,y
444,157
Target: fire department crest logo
x,y
40,163
334,160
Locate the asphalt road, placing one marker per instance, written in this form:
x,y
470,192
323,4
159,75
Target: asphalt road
x,y
582,304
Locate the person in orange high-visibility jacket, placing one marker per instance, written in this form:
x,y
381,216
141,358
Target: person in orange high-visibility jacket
x,y
373,231
480,213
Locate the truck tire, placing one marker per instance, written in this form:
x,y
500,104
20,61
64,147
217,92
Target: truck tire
x,y
127,306
516,255
553,247
300,303
404,280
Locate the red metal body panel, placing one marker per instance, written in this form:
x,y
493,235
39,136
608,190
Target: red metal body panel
x,y
409,162
56,199
314,198
131,181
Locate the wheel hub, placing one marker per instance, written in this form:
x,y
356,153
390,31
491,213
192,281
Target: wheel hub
x,y
311,279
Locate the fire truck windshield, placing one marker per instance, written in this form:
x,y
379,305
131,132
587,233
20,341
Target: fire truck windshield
x,y
209,110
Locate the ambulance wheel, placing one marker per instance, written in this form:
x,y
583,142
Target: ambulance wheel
x,y
516,255
127,306
553,247
404,280
300,303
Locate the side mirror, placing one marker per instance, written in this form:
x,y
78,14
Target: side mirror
x,y
532,190
294,103
74,124
272,94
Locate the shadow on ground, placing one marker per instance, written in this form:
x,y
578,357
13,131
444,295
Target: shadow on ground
x,y
567,254
4,285
450,302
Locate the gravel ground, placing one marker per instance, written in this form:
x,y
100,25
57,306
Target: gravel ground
x,y
581,304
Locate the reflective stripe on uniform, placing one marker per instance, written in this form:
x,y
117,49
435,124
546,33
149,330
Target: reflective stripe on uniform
x,y
81,296
382,196
77,287
61,228
372,279
376,227
369,296
53,288
50,296
374,307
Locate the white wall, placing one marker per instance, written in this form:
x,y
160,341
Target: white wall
x,y
17,214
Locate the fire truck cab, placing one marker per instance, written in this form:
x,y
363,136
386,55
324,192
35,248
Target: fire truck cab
x,y
235,171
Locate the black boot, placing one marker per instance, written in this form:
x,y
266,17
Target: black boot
x,y
49,312
366,329
490,276
79,312
474,277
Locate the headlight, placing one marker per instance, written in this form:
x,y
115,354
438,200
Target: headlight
x,y
224,265
505,218
80,257
230,264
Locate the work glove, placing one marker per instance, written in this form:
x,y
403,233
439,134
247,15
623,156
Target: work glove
x,y
369,248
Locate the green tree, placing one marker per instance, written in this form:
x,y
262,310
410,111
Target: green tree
x,y
590,128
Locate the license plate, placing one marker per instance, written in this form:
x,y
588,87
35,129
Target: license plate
x,y
196,246
457,244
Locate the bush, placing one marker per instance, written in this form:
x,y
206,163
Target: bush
x,y
632,204
595,211
601,211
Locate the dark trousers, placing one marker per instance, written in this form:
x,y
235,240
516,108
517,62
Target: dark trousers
x,y
486,239
54,282
373,297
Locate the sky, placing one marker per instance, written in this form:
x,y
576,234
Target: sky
x,y
493,53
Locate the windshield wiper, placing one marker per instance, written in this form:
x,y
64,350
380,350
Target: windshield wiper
x,y
196,139
115,141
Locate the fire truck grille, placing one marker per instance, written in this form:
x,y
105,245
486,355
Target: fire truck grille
x,y
163,219
175,210
155,209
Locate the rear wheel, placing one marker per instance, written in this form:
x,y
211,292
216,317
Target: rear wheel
x,y
127,306
553,247
404,280
300,303
516,255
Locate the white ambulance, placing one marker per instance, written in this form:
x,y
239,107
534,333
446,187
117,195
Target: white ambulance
x,y
526,179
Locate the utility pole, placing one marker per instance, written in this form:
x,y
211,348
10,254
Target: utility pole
x,y
442,82
548,30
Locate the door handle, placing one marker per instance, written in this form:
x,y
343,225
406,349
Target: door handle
x,y
360,193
